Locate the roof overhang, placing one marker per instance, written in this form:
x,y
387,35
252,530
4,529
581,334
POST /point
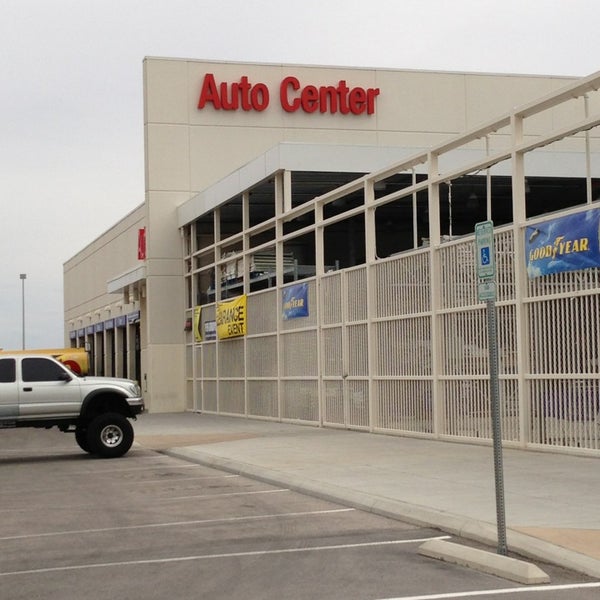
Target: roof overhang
x,y
129,282
290,156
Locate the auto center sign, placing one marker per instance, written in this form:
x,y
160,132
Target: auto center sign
x,y
293,96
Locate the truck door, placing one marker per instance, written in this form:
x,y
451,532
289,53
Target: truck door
x,y
9,395
47,387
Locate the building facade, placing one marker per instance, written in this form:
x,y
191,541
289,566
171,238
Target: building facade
x,y
305,250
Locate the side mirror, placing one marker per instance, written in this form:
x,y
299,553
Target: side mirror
x,y
64,376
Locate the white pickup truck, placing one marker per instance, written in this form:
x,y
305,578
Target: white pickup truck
x,y
39,391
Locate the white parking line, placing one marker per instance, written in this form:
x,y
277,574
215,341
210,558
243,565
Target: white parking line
x,y
203,477
520,590
159,466
47,490
177,524
155,561
227,494
66,507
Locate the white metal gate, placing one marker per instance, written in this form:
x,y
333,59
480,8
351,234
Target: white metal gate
x,y
345,349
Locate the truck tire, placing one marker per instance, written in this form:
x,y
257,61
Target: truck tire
x,y
82,439
110,435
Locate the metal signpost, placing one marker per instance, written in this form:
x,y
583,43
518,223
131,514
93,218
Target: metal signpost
x,y
486,276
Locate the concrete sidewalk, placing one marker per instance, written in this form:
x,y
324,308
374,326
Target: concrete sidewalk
x,y
552,501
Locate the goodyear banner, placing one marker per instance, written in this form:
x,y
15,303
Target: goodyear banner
x,y
566,244
295,301
231,318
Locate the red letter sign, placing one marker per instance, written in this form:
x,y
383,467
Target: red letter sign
x,y
142,243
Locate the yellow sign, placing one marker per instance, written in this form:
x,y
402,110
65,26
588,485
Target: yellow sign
x,y
231,318
197,323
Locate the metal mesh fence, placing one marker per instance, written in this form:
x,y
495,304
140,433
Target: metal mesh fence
x,y
371,363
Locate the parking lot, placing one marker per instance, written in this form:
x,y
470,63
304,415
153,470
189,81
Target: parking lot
x,y
152,526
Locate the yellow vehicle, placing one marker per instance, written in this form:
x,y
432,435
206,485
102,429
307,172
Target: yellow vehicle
x,y
75,358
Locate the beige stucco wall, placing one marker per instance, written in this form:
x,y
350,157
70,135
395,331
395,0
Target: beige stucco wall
x,y
85,275
187,150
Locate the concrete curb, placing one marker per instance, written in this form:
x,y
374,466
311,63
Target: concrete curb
x,y
486,562
471,529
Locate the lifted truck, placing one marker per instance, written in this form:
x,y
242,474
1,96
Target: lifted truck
x,y
39,391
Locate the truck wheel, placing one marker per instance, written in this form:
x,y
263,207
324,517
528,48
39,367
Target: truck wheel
x,y
110,435
82,439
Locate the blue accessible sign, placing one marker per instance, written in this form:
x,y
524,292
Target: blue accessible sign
x,y
484,250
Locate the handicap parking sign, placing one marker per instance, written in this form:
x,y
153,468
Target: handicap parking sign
x,y
485,255
484,250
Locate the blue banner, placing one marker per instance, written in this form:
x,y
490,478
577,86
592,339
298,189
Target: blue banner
x,y
295,301
566,244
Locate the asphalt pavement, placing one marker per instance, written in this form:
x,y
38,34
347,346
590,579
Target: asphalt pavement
x,y
551,500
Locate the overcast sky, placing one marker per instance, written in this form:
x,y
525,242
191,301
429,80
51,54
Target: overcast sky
x,y
71,131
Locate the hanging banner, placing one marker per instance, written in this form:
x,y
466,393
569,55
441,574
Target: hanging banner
x,y
566,244
231,318
197,323
142,243
295,301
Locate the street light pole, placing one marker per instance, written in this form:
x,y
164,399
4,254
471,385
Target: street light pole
x,y
23,277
